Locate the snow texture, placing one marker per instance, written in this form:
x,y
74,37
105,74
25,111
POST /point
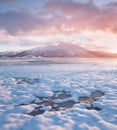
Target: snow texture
x,y
22,89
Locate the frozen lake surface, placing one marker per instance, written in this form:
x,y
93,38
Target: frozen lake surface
x,y
57,96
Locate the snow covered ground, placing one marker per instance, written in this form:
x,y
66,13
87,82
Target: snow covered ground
x,y
28,92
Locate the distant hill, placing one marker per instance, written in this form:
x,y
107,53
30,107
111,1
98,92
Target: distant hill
x,y
61,50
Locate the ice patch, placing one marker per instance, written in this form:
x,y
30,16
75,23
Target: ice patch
x,y
21,102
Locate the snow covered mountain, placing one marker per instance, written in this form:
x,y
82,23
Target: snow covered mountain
x,y
61,50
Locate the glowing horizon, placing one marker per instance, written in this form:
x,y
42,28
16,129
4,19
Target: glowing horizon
x,y
88,23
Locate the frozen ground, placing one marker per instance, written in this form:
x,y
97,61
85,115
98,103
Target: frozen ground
x,y
46,97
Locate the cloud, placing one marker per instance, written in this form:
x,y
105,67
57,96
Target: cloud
x,y
14,22
61,16
6,1
86,16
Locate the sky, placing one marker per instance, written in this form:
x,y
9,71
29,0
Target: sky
x,y
26,24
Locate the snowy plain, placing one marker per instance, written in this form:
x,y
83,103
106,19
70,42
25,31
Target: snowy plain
x,y
24,87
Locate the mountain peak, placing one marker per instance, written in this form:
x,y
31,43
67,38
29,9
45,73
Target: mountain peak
x,y
61,50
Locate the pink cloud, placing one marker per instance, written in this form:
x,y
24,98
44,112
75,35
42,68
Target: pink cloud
x,y
86,16
61,16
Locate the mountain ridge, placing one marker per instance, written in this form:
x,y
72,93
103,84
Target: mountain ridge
x,y
61,50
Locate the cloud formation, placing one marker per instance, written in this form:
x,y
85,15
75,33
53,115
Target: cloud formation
x,y
59,16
